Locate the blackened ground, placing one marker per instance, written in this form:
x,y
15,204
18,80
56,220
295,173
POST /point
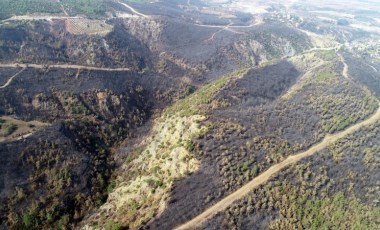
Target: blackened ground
x,y
69,164
7,73
348,167
51,165
260,86
45,43
189,196
250,128
225,140
364,74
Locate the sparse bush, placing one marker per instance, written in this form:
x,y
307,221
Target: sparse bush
x,y
11,128
189,146
27,221
110,225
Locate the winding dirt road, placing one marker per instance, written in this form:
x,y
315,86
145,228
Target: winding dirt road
x,y
265,176
229,26
11,79
374,69
61,66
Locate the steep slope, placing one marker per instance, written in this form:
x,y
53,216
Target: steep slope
x,y
337,187
255,124
137,117
209,55
146,177
70,163
22,43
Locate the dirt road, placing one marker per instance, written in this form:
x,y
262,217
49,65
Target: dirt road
x,y
11,79
265,176
345,67
133,9
61,66
39,17
374,69
63,8
230,26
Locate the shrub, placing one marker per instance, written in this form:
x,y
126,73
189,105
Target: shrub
x,y
110,225
189,146
11,128
27,220
111,186
62,223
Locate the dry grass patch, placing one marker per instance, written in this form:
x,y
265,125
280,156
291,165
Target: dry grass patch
x,y
317,67
321,41
147,175
13,129
145,179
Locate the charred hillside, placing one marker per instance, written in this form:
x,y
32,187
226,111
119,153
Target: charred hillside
x,y
145,114
71,162
51,43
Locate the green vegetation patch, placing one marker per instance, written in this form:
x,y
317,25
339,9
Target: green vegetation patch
x,y
110,225
327,55
11,128
8,128
339,123
337,212
341,110
20,7
91,8
196,103
326,76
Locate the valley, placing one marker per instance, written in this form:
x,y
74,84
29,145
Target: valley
x,y
201,114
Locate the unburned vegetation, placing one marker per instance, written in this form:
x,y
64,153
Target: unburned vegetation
x,y
12,129
19,7
92,8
